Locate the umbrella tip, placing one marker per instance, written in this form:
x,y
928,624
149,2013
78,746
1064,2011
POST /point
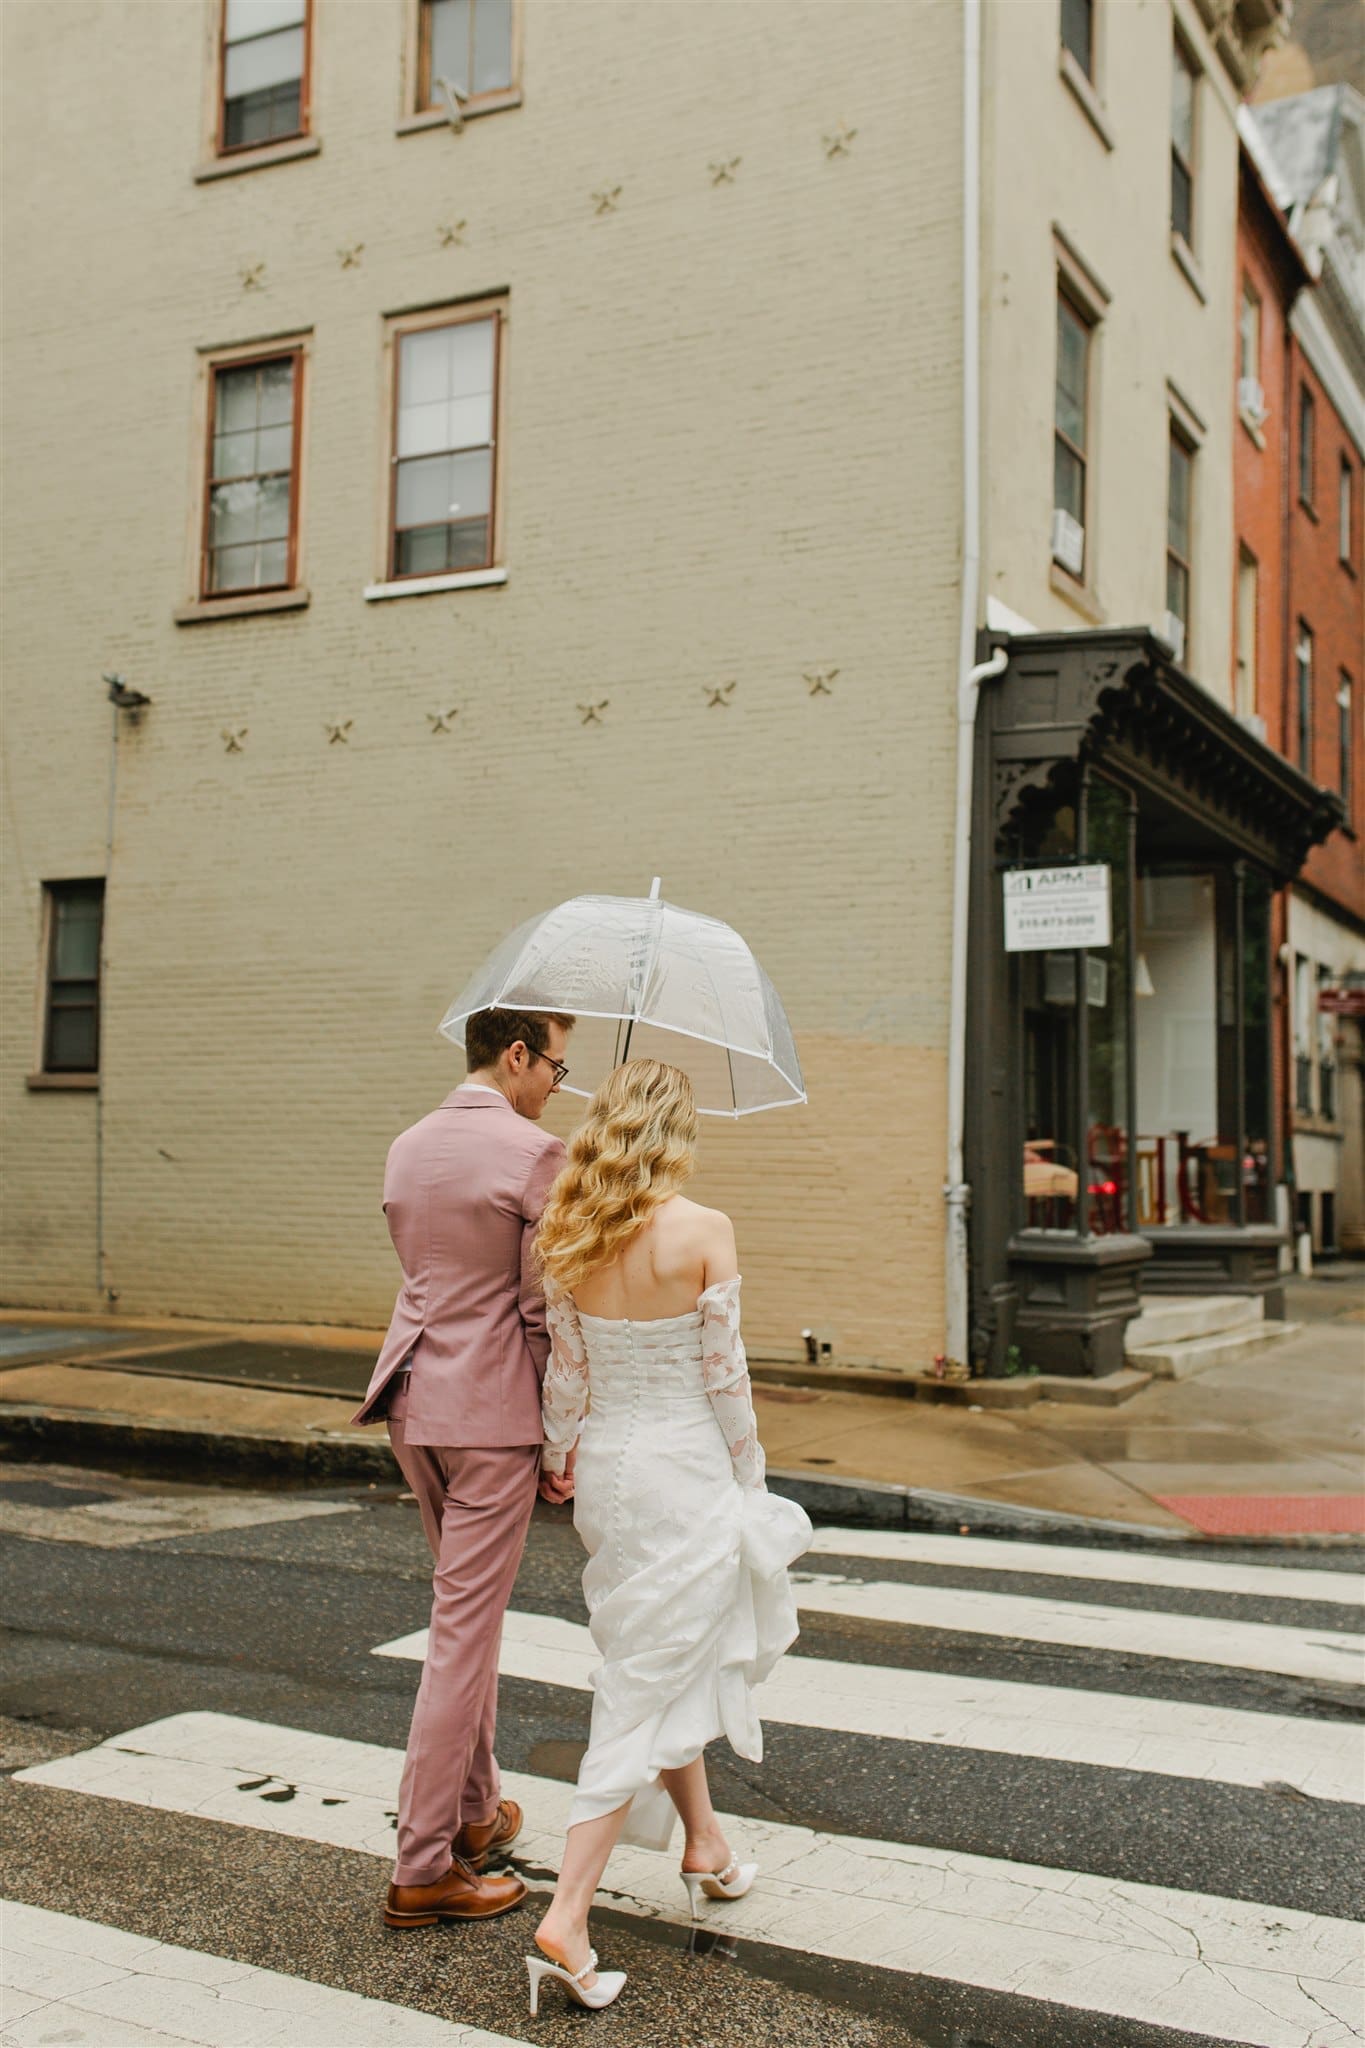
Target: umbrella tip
x,y
654,888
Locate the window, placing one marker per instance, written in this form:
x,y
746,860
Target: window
x,y
1307,434
443,508
1184,79
1179,491
1070,408
1345,764
466,45
1305,995
250,533
1344,511
71,1015
1327,1049
1248,577
1078,33
264,74
1249,335
1303,696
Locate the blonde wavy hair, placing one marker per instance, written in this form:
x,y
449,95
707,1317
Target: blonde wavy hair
x,y
634,1148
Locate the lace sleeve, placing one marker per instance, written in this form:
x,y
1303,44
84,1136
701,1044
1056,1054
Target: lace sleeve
x,y
725,1375
564,1394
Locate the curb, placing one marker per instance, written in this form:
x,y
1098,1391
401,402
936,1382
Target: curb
x,y
188,1453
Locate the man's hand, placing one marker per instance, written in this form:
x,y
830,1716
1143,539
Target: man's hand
x,y
558,1486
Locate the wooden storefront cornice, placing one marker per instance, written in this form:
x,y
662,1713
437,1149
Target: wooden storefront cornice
x,y
1116,698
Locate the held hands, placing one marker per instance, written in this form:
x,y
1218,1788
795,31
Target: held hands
x,y
557,1487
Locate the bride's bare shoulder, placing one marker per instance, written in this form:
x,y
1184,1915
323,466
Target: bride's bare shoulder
x,y
708,1235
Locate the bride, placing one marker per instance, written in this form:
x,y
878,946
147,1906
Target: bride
x,y
686,1580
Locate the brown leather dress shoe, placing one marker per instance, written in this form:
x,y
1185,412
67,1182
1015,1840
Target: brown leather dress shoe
x,y
460,1895
480,1839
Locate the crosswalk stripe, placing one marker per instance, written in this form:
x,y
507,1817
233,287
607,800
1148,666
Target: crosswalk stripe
x,y
1241,1973
1121,1731
1119,1567
1143,1632
92,1986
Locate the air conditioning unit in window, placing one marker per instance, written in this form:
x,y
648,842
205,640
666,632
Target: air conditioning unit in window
x,y
1068,541
1251,401
1172,630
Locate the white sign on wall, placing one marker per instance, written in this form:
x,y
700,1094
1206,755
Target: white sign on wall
x,y
1047,909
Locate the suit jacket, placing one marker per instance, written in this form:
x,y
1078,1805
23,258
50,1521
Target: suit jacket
x,y
463,1192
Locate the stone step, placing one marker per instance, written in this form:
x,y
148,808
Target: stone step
x,y
1197,1354
1173,1319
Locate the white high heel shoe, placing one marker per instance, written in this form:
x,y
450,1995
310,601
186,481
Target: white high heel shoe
x,y
595,1996
731,1882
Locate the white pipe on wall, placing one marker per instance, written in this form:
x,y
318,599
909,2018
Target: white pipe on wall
x,y
956,1194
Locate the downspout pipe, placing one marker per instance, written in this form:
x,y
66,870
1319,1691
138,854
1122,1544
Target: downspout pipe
x,y
956,1193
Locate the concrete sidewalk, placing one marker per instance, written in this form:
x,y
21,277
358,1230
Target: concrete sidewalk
x,y
1270,1445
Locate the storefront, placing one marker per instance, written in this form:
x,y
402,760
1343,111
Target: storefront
x,y
1121,1131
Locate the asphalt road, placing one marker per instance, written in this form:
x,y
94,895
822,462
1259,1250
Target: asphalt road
x,y
128,1604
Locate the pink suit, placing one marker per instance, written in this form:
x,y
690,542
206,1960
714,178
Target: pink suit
x,y
463,1192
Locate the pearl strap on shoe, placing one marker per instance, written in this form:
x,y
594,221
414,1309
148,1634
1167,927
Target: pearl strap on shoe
x,y
587,1969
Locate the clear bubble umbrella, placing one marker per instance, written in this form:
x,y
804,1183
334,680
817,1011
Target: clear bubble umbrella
x,y
646,980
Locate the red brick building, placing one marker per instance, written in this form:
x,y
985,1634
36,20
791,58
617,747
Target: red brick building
x,y
1300,569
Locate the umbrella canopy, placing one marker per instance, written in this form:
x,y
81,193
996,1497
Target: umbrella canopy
x,y
646,980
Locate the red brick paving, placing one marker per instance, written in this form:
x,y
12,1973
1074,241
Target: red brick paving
x,y
1270,1514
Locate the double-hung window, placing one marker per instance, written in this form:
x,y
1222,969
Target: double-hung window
x,y
1071,400
1345,762
443,516
1184,82
465,52
1078,33
263,95
71,1010
250,520
1344,512
1179,500
1308,417
1303,697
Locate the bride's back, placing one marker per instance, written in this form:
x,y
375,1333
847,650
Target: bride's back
x,y
682,1250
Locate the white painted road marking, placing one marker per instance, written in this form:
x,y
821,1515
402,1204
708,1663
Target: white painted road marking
x,y
86,1985
1119,1567
1240,1973
1134,1631
1118,1731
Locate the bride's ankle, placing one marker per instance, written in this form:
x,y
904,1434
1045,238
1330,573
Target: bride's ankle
x,y
706,1850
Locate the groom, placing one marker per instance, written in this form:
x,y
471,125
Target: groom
x,y
458,1381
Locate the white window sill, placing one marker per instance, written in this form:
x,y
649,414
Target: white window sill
x,y
1188,264
257,159
1086,97
437,117
203,611
1082,596
422,586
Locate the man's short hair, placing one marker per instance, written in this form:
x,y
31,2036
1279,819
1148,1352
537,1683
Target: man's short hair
x,y
488,1033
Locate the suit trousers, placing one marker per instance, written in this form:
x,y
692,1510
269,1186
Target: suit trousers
x,y
476,1508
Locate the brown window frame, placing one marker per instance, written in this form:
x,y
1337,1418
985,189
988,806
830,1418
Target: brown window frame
x,y
216,365
1308,450
462,314
54,894
1182,56
222,148
422,104
1345,509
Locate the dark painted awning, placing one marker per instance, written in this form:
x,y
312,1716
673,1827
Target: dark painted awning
x,y
1115,697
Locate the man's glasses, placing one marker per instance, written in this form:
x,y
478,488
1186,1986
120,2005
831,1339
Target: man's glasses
x,y
561,1071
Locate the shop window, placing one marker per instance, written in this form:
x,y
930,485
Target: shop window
x,y
1303,1035
1327,1226
1327,1050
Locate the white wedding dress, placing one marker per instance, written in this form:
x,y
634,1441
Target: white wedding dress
x,y
686,1582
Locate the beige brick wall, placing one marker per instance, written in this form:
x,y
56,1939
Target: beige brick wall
x,y
1045,165
731,453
